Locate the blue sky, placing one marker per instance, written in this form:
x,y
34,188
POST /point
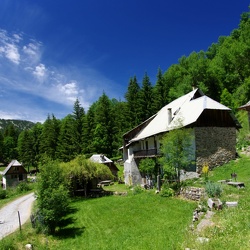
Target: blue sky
x,y
52,52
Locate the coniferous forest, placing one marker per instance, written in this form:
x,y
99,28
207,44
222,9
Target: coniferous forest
x,y
222,73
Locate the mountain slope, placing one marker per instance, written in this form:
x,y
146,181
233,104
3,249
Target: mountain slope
x,y
19,124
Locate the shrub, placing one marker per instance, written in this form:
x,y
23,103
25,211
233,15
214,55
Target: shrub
x,y
205,171
138,189
3,194
52,196
213,189
23,187
167,192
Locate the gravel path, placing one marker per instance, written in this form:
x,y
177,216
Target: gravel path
x,y
9,221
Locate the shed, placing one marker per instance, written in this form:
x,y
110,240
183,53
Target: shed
x,y
100,158
13,174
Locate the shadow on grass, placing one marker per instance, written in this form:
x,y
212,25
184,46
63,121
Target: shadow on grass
x,y
69,232
66,226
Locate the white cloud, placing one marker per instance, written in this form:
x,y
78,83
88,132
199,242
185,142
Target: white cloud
x,y
58,90
40,71
11,52
68,89
8,46
17,37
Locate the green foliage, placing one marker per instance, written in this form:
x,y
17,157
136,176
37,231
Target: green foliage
x,y
132,97
138,189
105,130
52,195
49,137
160,92
145,99
243,134
23,187
213,189
167,192
3,193
67,147
176,149
147,166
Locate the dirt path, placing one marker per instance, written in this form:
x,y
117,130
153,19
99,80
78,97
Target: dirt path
x,y
9,221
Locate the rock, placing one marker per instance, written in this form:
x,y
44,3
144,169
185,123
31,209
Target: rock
x,y
202,239
232,203
210,203
28,247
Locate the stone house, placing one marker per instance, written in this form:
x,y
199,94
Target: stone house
x,y
213,126
13,174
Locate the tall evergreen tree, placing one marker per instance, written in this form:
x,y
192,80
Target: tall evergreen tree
x,y
146,99
121,122
132,97
89,125
25,148
49,137
67,148
36,133
1,148
10,143
160,92
104,130
78,115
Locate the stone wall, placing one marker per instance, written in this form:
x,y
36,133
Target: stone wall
x,y
214,146
192,193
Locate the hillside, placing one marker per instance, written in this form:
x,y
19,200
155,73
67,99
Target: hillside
x,y
19,124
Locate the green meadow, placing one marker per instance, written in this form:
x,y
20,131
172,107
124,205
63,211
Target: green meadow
x,y
148,221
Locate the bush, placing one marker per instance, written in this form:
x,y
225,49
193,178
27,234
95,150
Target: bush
x,y
213,189
3,194
52,196
167,192
138,189
23,187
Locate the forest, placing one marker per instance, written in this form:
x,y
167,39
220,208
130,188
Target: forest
x,y
222,73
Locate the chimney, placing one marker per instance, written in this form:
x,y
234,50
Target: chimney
x,y
169,115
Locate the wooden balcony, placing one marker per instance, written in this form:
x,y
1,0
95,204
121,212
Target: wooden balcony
x,y
146,153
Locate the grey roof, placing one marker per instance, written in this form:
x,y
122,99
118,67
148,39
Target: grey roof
x,y
185,110
100,158
245,106
14,163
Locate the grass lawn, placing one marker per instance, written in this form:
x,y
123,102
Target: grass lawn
x,y
149,221
142,221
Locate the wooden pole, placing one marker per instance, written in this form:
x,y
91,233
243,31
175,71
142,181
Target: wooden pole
x,y
19,221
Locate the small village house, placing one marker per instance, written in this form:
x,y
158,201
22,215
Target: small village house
x,y
213,126
100,158
13,174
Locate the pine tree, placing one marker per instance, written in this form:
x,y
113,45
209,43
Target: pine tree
x,y
104,130
160,93
67,149
36,133
146,99
132,97
1,148
78,115
89,125
25,148
49,137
